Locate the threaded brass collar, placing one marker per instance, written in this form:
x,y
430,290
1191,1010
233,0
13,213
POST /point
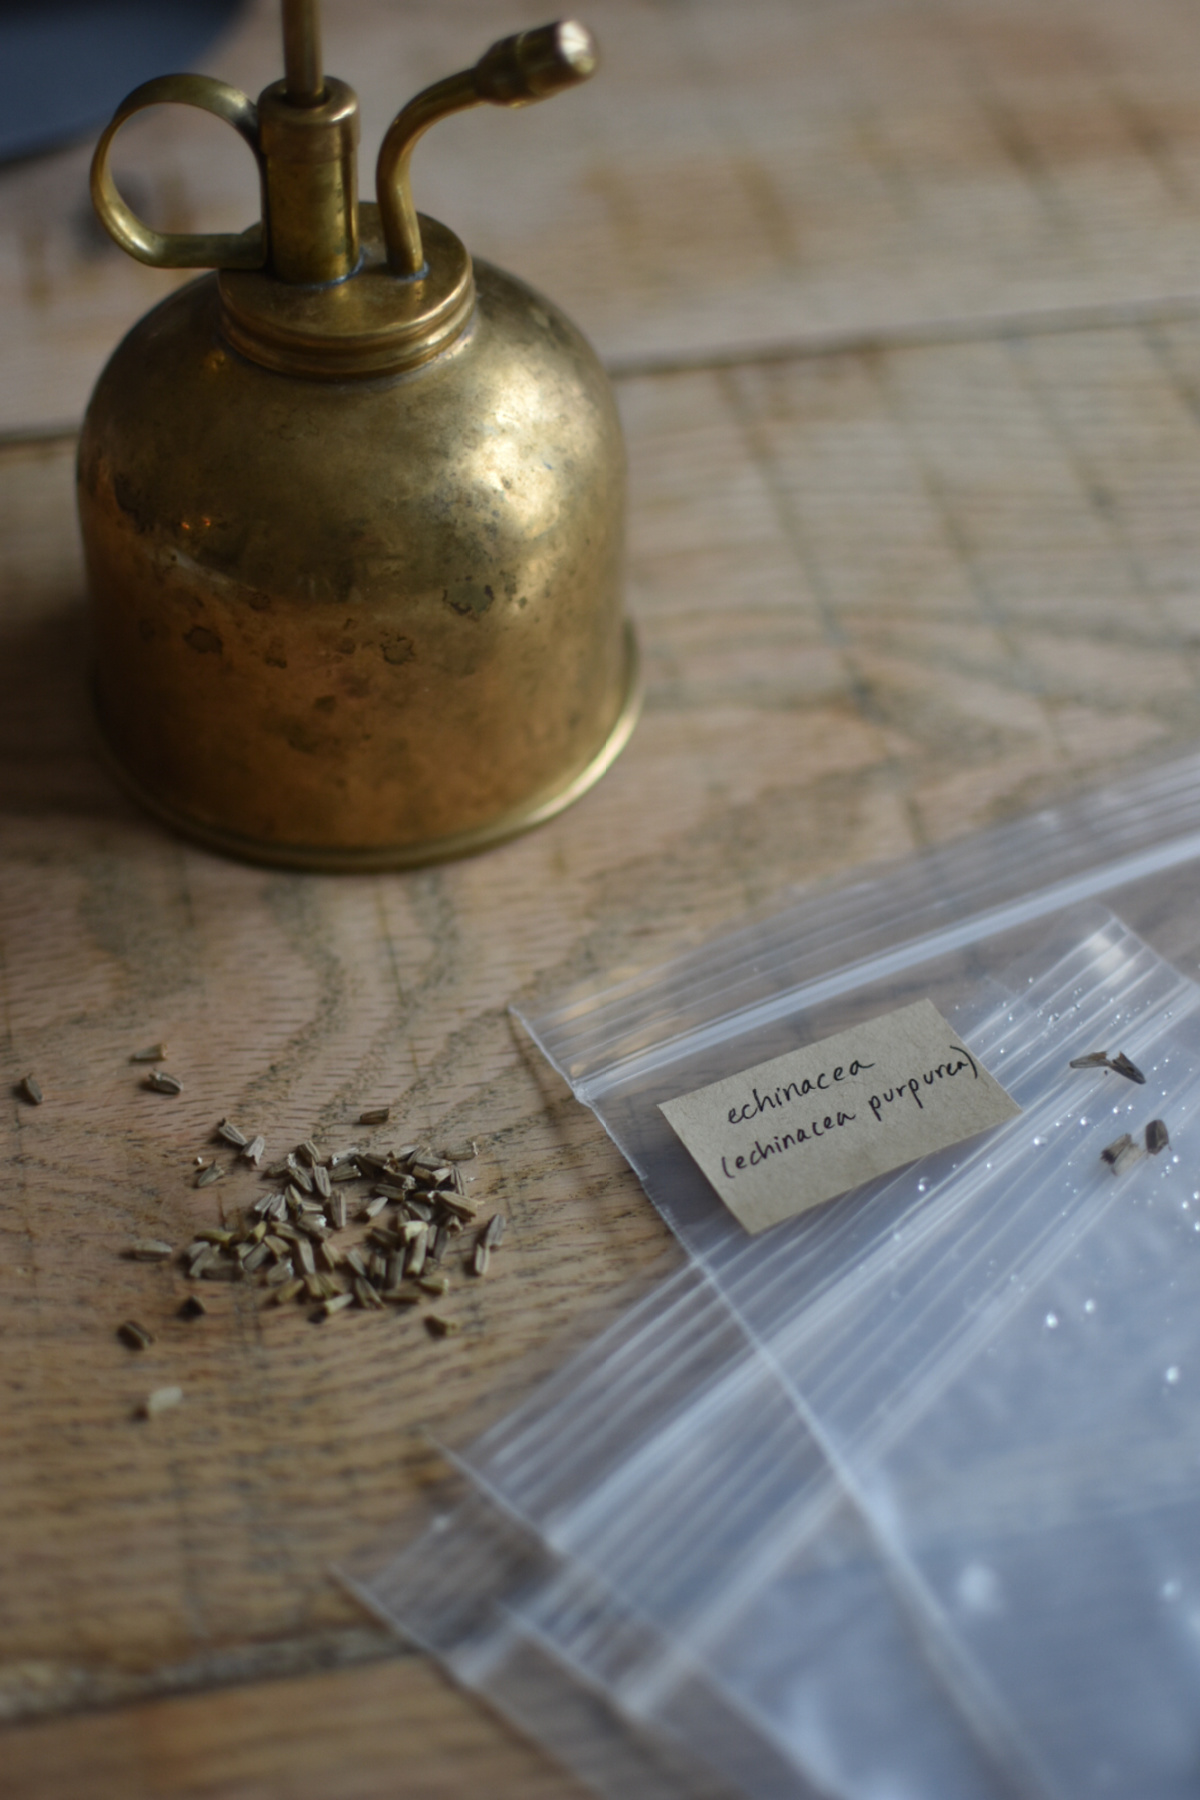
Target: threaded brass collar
x,y
372,323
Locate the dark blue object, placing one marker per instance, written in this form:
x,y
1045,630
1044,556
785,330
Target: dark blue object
x,y
68,63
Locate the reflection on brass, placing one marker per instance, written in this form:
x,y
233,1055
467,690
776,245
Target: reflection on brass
x,y
352,504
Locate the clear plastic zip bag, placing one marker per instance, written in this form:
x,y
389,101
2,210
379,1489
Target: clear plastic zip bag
x,y
911,1321
751,1532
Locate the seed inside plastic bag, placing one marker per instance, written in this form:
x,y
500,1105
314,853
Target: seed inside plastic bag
x,y
1120,1153
1157,1137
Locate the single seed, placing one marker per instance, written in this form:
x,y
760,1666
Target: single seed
x,y
1095,1059
401,1297
152,1053
356,1261
313,1287
366,1293
220,1271
304,1256
1121,1065
281,1273
278,1207
374,1207
328,1256
434,1284
377,1266
206,1177
322,1182
159,1082
441,1238
193,1308
345,1171
153,1250
461,1156
417,1252
228,1130
29,1089
204,1256
395,1270
398,1187
481,1259
436,1326
337,1212
135,1335
1156,1136
253,1152
375,1115
300,1176
283,1293
214,1234
308,1150
1120,1153
419,1210
257,1257
493,1235
336,1304
161,1400
443,1175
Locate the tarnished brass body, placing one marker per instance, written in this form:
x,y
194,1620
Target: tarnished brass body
x,y
354,545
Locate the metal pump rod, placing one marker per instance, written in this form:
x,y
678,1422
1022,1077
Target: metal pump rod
x,y
303,76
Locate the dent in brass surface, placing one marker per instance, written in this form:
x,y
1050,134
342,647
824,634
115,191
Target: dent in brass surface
x,y
354,534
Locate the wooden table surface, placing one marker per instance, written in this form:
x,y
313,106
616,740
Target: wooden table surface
x,y
902,298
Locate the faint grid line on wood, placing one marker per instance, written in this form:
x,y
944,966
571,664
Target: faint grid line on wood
x,y
1100,497
963,549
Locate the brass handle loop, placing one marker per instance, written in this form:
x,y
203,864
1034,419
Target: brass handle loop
x,y
175,249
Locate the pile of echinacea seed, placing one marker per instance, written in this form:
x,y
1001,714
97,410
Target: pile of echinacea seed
x,y
294,1241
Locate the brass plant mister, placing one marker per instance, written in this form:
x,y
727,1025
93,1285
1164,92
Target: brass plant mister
x,y
352,505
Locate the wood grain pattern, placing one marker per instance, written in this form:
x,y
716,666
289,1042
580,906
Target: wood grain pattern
x,y
887,590
395,1731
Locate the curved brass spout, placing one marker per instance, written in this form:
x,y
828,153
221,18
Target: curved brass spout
x,y
529,66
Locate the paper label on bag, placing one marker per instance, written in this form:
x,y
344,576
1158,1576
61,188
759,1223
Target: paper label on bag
x,y
789,1134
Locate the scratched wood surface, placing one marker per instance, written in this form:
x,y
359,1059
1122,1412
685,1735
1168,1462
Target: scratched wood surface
x,y
898,297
